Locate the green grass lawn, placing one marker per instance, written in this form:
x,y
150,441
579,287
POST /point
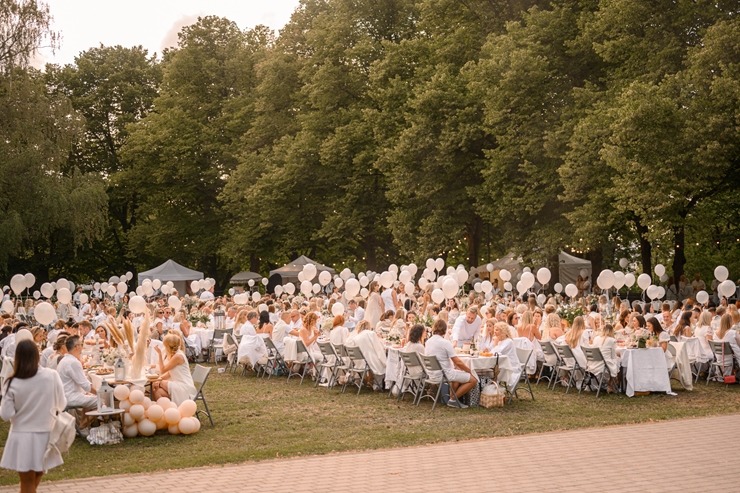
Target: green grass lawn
x,y
262,419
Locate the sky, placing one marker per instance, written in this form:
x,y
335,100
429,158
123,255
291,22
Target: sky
x,y
154,24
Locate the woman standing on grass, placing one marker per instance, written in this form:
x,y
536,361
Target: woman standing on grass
x,y
33,396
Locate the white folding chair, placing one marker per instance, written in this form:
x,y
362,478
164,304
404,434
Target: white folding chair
x,y
200,375
357,368
549,350
595,356
566,353
523,355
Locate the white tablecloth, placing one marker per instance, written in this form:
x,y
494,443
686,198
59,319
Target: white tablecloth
x,y
645,370
394,367
205,336
683,363
506,372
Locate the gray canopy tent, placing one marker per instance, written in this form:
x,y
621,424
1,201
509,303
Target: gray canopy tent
x,y
289,272
244,277
180,275
570,268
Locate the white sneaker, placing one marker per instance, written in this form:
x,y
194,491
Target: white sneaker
x,y
457,405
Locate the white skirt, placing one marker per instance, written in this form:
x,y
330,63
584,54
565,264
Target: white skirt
x,y
24,451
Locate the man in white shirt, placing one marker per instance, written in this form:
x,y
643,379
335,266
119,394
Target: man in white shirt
x,y
281,330
295,320
351,320
460,377
466,328
248,327
77,388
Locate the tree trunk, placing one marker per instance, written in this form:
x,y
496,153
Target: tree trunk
x,y
646,249
254,262
679,255
473,244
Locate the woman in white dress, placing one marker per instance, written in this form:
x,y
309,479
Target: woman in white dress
x,y
503,345
33,395
374,305
177,382
703,334
728,334
606,342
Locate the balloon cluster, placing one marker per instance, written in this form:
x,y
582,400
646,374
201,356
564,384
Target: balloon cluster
x,y
144,417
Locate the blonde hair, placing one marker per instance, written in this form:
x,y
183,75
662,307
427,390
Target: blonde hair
x,y
173,342
725,324
503,328
573,337
553,320
310,320
705,319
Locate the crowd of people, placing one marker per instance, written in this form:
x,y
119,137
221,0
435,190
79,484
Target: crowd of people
x,y
497,323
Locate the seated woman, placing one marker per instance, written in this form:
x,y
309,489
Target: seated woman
x,y
339,333
309,333
372,349
728,334
416,339
398,325
574,340
606,342
265,326
176,381
683,327
703,334
503,345
386,322
486,342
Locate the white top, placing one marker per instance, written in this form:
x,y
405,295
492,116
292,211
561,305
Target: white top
x,y
72,375
463,331
338,335
507,348
387,297
31,403
441,348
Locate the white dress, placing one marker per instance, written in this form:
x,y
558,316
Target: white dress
x,y
180,385
30,405
374,309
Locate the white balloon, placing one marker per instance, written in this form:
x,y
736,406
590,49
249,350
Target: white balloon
x,y
659,270
393,268
520,287
64,296
489,267
664,278
316,288
195,286
571,290
18,283
544,275
526,269
386,279
409,288
47,290
8,307
265,281
541,298
122,288
605,279
364,281
527,280
256,296
156,284
44,313
306,287
629,280
623,262
129,276
278,290
438,296
618,279
652,291
439,264
337,309
507,286
289,288
165,289
558,287
364,292
113,280
702,297
404,276
84,298
36,294
486,286
148,290
505,275
477,287
423,283
30,280
324,278
721,273
174,302
140,290
450,270
103,286
450,287
96,286
339,282
137,304
661,292
644,281
462,277
726,288
309,272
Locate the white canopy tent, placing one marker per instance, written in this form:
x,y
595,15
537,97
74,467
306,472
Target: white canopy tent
x,y
180,275
289,272
510,262
570,268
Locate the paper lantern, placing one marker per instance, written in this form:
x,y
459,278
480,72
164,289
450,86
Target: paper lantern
x,y
44,313
147,428
172,416
136,396
137,412
121,392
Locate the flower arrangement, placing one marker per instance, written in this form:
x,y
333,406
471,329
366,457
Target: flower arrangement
x,y
393,338
197,317
110,355
569,313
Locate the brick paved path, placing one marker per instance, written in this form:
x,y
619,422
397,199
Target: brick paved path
x,y
654,457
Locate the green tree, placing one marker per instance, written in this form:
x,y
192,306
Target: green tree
x,y
25,25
